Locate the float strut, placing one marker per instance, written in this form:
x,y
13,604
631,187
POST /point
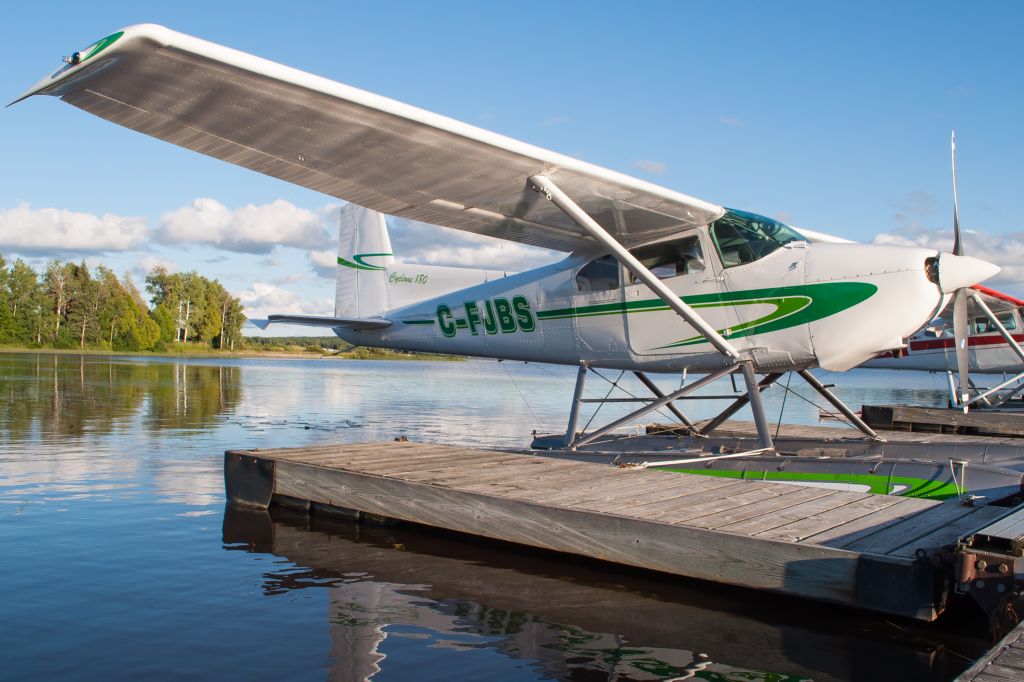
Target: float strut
x,y
839,405
577,399
660,402
764,436
672,408
737,405
954,399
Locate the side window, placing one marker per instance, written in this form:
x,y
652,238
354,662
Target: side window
x,y
982,325
600,274
671,259
733,247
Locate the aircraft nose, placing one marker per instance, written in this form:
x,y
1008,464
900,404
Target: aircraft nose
x,y
957,272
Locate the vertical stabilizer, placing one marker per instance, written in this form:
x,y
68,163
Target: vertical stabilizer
x,y
364,252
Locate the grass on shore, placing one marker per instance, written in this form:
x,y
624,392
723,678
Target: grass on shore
x,y
204,351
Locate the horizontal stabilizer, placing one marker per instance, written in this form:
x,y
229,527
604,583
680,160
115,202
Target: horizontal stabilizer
x,y
323,321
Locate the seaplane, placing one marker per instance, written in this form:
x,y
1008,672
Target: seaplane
x,y
653,281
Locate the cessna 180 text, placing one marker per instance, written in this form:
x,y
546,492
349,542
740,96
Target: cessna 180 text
x,y
654,280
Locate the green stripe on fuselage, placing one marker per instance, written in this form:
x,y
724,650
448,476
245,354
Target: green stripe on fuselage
x,y
794,306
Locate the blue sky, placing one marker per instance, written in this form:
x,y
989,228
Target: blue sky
x,y
832,117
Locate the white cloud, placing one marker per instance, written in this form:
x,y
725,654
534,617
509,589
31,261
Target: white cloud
x,y
1005,250
250,229
730,121
415,242
289,279
653,167
146,264
264,298
53,231
324,263
508,256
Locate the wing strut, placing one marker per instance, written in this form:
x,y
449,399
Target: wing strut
x,y
1010,341
551,191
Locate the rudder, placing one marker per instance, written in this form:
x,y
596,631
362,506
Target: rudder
x,y
364,253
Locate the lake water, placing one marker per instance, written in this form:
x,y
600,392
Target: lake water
x,y
121,561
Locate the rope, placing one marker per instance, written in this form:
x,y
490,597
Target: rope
x,y
520,391
600,405
785,394
837,417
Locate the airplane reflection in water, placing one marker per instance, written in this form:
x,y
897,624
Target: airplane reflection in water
x,y
391,589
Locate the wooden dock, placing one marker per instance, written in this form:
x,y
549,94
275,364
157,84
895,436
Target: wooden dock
x,y
881,553
981,422
1003,662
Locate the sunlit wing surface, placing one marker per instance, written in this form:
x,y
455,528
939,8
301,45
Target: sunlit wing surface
x,y
354,145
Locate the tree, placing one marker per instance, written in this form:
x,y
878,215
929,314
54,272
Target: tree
x,y
58,281
84,298
22,287
7,327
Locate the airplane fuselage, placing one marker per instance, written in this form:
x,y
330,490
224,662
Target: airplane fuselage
x,y
790,309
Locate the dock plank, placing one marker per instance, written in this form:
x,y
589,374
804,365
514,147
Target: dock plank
x,y
630,493
798,512
769,506
671,501
465,472
748,493
1004,661
795,531
434,461
870,523
951,532
896,535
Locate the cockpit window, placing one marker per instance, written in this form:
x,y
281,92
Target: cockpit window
x,y
672,258
742,237
600,274
982,325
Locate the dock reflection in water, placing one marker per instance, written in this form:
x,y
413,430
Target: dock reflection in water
x,y
397,592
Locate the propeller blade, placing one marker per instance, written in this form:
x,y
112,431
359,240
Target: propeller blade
x,y
960,338
958,247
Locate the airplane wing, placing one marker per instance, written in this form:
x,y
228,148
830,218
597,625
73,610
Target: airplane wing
x,y
318,321
354,145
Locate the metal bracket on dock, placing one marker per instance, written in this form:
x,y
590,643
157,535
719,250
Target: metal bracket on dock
x,y
248,480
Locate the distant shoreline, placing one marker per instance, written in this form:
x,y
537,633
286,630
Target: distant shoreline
x,y
356,353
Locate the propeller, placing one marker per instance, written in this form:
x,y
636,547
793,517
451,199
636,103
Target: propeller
x,y
960,329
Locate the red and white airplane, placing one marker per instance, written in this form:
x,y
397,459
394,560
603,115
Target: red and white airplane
x,y
995,330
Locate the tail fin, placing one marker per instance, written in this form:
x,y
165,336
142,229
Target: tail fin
x,y
364,251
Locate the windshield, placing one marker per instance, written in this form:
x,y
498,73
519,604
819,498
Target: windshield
x,y
742,237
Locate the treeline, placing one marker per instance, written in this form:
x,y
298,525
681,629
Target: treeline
x,y
69,305
311,343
